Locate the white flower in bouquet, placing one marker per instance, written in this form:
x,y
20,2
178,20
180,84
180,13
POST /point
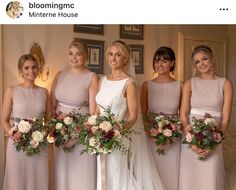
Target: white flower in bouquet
x,y
159,117
68,120
34,143
37,136
94,129
189,137
94,142
167,132
105,126
210,121
59,126
50,138
24,126
92,120
117,134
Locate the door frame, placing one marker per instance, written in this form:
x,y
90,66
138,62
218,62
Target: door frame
x,y
181,47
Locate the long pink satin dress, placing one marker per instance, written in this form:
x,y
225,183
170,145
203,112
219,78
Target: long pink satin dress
x,y
23,172
165,98
72,171
207,96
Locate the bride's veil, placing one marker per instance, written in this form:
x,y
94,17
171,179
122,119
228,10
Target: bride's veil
x,y
142,165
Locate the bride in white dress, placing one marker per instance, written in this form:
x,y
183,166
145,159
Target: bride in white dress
x,y
137,170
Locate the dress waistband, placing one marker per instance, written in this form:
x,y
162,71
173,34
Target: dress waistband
x,y
68,106
202,112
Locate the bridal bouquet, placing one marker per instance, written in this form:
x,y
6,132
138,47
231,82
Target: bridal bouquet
x,y
102,134
204,133
163,130
33,137
65,128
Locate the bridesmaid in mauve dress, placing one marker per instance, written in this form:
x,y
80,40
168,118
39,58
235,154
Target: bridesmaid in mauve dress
x,y
205,93
71,88
162,95
25,100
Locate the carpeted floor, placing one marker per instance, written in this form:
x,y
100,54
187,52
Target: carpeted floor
x,y
229,151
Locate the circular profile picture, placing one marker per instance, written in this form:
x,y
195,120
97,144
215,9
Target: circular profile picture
x,y
14,9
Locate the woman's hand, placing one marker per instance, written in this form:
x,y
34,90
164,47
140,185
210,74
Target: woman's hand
x,y
187,129
70,143
205,153
202,153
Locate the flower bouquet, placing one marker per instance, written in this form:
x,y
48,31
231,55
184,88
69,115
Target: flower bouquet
x,y
163,129
204,133
33,137
64,128
102,134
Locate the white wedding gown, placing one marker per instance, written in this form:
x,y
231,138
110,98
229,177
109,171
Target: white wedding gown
x,y
126,172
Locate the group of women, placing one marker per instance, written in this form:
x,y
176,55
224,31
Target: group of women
x,y
143,169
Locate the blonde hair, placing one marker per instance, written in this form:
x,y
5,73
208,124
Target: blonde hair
x,y
23,59
207,50
81,46
124,49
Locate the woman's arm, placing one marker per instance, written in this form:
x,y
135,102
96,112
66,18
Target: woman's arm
x,y
6,110
132,102
48,105
93,90
6,114
227,106
53,99
185,104
144,98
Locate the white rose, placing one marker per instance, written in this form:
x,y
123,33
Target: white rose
x,y
59,126
34,143
94,129
105,126
189,137
68,120
92,120
167,132
210,121
37,136
24,126
50,139
94,142
117,134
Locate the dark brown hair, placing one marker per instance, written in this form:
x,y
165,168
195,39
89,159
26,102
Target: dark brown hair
x,y
167,54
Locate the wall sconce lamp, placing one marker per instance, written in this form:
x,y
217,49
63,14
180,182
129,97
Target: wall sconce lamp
x,y
36,51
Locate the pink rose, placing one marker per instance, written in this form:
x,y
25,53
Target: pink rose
x,y
154,132
34,143
167,132
189,137
173,127
217,137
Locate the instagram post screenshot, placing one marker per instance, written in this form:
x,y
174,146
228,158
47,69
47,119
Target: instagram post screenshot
x,y
101,95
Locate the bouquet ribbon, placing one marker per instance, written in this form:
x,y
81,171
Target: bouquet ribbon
x,y
195,111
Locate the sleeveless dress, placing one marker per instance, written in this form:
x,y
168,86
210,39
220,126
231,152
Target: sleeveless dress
x,y
121,172
207,96
23,172
165,98
72,171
